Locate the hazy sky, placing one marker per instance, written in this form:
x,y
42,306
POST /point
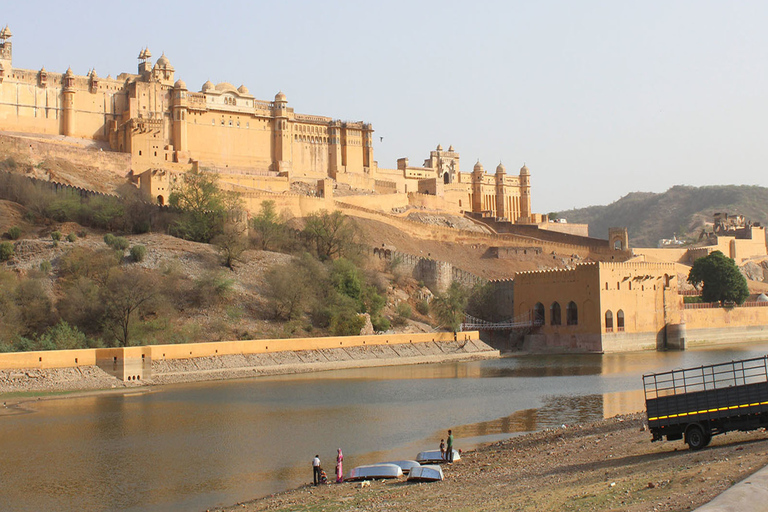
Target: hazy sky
x,y
598,98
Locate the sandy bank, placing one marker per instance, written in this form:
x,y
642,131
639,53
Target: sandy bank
x,y
601,466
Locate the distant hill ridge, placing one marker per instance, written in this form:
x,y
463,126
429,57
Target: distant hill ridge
x,y
682,211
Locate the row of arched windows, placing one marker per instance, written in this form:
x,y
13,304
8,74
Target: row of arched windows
x,y
555,314
609,321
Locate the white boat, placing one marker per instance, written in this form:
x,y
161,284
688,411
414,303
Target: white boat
x,y
435,456
428,473
374,471
405,465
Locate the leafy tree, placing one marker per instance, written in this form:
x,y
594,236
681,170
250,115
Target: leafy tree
x,y
721,278
231,243
296,286
331,235
82,304
450,306
63,336
269,230
205,206
34,306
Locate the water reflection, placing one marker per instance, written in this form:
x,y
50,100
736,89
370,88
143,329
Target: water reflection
x,y
197,446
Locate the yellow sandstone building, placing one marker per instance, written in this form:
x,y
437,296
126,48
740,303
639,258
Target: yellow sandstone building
x,y
259,145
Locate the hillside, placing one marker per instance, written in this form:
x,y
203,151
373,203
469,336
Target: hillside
x,y
681,211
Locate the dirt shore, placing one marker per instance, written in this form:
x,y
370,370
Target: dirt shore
x,y
604,466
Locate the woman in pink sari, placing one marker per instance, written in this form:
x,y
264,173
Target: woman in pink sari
x,y
339,472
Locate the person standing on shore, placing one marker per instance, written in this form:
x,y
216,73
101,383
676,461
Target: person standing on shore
x,y
449,448
339,471
316,470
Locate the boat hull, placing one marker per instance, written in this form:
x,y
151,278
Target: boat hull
x,y
375,471
434,456
405,465
428,473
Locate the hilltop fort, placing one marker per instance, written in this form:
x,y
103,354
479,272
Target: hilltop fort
x,y
263,145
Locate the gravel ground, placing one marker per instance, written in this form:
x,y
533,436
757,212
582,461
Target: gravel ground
x,y
610,465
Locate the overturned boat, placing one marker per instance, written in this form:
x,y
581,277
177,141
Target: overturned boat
x,y
374,471
434,456
405,465
427,473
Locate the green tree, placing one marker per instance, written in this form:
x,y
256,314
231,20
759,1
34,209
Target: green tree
x,y
450,306
269,230
721,278
204,205
331,235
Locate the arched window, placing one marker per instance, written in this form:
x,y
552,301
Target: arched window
x,y
554,314
446,178
620,320
160,200
538,314
608,321
572,314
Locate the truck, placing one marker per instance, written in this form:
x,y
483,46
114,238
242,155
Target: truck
x,y
701,402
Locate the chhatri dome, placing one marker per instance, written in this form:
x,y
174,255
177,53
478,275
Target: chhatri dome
x,y
208,86
163,61
478,167
280,96
180,84
500,168
243,89
524,169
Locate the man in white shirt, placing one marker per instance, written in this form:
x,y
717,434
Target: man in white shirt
x,y
316,469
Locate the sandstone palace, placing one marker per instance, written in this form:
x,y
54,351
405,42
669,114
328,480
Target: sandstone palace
x,y
166,127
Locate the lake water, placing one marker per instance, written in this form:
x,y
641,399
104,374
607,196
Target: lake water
x,y
197,446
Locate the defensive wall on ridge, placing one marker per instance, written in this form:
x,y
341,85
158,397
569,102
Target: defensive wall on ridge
x,y
436,275
36,151
135,363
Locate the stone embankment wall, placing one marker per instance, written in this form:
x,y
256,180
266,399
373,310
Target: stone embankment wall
x,y
274,363
159,364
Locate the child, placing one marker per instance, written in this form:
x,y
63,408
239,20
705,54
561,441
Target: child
x,y
323,477
442,449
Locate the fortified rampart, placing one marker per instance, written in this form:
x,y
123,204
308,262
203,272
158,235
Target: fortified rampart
x,y
436,275
36,151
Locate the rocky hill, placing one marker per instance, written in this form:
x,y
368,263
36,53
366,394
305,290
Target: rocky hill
x,y
682,211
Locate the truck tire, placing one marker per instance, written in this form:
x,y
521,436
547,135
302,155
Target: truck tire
x,y
695,437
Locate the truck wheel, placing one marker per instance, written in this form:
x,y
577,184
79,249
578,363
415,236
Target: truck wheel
x,y
695,437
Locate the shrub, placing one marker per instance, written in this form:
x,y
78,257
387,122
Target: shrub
x,y
138,252
6,251
45,267
71,237
56,236
380,323
14,233
404,310
121,243
346,323
423,307
109,239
